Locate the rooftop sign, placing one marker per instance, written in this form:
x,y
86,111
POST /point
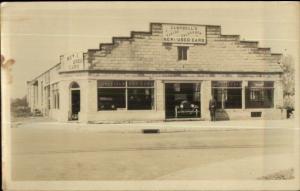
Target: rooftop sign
x,y
176,33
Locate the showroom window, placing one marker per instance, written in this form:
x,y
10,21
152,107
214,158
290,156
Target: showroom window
x,y
123,95
260,94
228,94
140,95
111,95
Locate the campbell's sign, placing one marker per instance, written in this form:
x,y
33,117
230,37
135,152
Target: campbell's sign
x,y
72,61
174,33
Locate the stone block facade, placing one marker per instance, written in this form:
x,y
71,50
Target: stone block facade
x,y
146,52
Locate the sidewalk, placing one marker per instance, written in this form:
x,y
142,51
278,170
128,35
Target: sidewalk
x,y
165,127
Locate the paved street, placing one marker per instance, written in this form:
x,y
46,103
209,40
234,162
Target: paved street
x,y
49,151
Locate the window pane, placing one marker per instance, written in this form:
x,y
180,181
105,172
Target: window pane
x,y
233,98
111,98
226,84
74,85
54,102
140,83
48,96
228,94
140,99
196,93
179,53
260,84
58,100
111,83
182,53
259,98
217,94
269,84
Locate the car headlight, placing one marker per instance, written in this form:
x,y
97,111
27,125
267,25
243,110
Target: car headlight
x,y
192,105
181,106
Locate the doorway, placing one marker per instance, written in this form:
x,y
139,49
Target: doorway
x,y
75,100
182,100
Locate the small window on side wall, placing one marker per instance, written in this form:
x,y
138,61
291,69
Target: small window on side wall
x,y
182,52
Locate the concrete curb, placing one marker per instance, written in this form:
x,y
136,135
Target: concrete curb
x,y
138,128
182,130
163,127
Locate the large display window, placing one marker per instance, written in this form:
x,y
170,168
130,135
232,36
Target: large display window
x,y
260,94
182,100
228,94
125,95
140,95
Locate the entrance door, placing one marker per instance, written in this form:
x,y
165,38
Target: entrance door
x,y
182,100
75,104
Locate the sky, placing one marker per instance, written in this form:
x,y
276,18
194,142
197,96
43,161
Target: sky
x,y
35,34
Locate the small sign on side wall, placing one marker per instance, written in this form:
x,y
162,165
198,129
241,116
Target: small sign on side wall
x,y
72,61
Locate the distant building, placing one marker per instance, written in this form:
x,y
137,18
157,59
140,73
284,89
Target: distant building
x,y
169,72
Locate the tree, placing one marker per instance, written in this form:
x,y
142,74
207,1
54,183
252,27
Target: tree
x,y
19,107
288,81
19,102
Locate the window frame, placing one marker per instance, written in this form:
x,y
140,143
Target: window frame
x,y
182,53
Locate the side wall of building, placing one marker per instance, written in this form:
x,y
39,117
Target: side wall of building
x,y
41,90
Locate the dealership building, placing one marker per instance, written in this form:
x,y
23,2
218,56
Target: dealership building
x,y
167,73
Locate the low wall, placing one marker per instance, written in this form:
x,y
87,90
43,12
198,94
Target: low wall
x,y
245,114
122,116
148,116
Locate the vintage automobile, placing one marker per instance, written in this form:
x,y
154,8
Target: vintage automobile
x,y
186,108
107,103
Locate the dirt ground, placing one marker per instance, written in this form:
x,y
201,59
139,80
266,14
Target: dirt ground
x,y
40,152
